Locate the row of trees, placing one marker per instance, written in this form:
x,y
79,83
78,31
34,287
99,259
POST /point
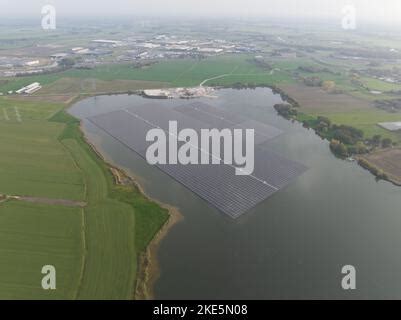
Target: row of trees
x,y
347,134
286,110
380,174
345,140
378,141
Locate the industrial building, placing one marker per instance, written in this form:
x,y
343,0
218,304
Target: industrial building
x,y
113,43
391,126
32,88
157,94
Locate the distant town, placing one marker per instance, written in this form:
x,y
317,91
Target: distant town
x,y
133,49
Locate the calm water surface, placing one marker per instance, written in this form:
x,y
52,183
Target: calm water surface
x,y
292,245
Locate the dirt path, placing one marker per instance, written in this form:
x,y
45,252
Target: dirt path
x,y
218,77
214,78
60,202
17,114
5,115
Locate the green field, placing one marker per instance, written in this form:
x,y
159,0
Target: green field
x,y
33,162
379,85
95,248
32,236
366,120
175,73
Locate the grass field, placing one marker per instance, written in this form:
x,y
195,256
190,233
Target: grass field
x,y
343,109
105,218
95,248
32,236
33,162
379,85
72,86
173,73
367,120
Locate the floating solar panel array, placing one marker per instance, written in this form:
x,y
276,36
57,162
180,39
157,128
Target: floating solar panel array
x,y
217,184
221,119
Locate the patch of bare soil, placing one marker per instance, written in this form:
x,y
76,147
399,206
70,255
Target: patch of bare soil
x,y
315,99
57,98
389,161
60,202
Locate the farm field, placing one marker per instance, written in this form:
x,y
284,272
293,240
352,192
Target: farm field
x,y
105,261
72,86
95,248
33,235
33,162
367,120
389,161
379,85
343,109
172,73
314,100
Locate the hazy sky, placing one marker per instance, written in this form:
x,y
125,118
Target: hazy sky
x,y
375,10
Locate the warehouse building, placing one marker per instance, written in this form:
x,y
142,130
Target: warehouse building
x,y
32,88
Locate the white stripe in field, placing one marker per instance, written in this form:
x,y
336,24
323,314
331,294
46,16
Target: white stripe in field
x,y
17,114
5,115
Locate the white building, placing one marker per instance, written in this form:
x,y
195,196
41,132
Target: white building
x,y
113,43
210,50
57,56
157,94
33,87
32,63
391,126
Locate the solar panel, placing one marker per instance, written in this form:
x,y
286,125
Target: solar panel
x,y
217,184
211,110
220,119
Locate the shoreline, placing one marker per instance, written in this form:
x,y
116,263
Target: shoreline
x,y
148,264
148,269
365,163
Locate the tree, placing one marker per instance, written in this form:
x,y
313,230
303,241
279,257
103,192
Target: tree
x,y
328,85
376,140
387,142
339,148
325,120
313,81
347,134
285,110
67,62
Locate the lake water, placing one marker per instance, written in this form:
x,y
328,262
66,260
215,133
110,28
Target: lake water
x,y
294,244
